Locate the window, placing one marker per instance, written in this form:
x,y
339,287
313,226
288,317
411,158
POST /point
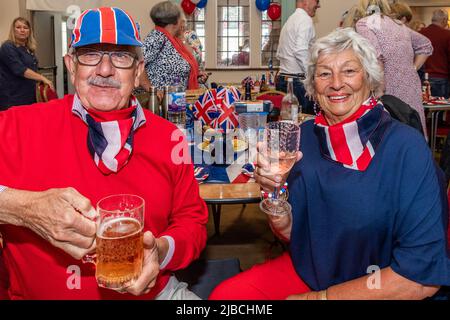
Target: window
x,y
196,23
233,41
270,34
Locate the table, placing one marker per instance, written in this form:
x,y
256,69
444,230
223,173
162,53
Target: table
x,y
435,110
217,194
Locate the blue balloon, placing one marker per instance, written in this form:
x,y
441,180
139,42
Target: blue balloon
x,y
262,5
202,4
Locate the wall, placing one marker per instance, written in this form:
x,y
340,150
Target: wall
x,y
140,10
329,15
9,9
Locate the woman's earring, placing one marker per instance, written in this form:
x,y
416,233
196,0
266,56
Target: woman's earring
x,y
317,109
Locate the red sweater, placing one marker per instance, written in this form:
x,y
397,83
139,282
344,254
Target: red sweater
x,y
438,65
44,146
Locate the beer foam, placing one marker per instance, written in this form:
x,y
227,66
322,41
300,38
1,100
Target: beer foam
x,y
122,225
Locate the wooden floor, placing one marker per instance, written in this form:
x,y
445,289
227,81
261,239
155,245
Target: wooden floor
x,y
245,234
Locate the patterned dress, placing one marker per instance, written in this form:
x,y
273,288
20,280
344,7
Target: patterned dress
x,y
163,64
191,38
396,46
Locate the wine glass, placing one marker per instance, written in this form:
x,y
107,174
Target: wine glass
x,y
282,139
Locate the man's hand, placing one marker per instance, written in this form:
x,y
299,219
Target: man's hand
x,y
62,217
263,175
150,268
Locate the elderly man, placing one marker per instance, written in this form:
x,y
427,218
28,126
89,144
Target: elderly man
x,y
438,65
296,37
59,158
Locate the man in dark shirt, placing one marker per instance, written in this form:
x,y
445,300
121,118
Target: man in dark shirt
x,y
438,65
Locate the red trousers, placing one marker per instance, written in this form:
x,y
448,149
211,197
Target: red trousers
x,y
274,279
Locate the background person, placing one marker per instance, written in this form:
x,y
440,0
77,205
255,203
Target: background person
x,y
296,37
394,218
401,50
438,65
168,61
18,66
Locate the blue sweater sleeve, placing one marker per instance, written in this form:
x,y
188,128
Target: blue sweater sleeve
x,y
419,250
11,59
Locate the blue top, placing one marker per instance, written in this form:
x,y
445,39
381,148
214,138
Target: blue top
x,y
391,215
15,89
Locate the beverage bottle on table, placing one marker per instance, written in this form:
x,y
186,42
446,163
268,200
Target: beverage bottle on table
x,y
426,88
153,101
165,102
176,112
290,107
257,85
248,91
263,86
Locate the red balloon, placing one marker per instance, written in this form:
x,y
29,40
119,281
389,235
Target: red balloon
x,y
188,6
274,11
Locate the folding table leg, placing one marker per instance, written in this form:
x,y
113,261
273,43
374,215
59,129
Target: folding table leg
x,y
216,209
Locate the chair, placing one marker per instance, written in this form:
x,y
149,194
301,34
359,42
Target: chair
x,y
274,96
204,275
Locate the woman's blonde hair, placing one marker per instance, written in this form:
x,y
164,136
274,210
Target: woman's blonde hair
x,y
31,41
352,16
401,10
369,7
417,25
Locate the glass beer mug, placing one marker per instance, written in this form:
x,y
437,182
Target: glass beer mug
x,y
120,250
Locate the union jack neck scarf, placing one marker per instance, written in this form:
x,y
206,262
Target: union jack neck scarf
x,y
353,142
110,134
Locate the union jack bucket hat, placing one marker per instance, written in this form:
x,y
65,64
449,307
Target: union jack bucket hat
x,y
105,25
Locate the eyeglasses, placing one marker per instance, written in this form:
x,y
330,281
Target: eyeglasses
x,y
92,57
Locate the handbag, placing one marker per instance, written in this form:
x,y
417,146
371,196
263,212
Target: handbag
x,y
44,93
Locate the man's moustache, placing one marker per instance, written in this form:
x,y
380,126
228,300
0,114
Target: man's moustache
x,y
105,82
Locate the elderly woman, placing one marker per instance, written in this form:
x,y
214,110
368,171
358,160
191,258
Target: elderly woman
x,y
168,61
401,50
365,195
18,66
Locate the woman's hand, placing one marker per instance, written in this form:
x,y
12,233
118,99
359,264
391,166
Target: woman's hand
x,y
48,82
203,77
264,176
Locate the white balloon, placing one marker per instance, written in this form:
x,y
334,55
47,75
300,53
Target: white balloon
x,y
195,1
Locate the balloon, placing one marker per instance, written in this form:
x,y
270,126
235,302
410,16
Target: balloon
x,y
195,1
188,6
202,3
274,11
262,5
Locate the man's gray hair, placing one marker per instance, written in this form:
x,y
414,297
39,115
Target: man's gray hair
x,y
338,41
439,15
165,13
